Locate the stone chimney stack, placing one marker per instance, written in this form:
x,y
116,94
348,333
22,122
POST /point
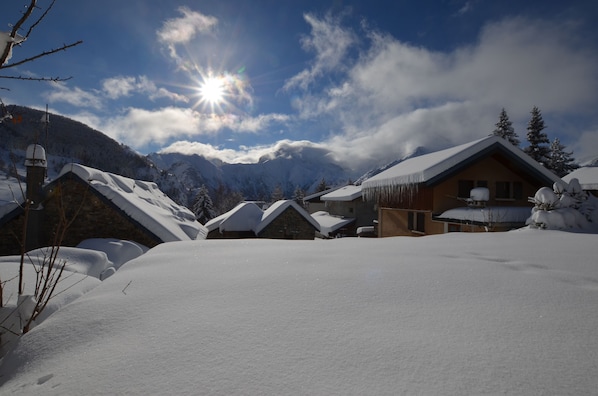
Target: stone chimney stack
x,y
35,161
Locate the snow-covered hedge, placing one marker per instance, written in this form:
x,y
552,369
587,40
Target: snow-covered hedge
x,y
564,207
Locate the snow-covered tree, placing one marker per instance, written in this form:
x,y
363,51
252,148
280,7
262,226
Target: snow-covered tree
x,y
203,206
538,147
565,206
504,129
560,161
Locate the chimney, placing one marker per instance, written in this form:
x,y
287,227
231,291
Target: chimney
x,y
35,161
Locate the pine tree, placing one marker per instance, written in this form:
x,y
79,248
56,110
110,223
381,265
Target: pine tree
x,y
203,206
322,186
560,161
298,195
538,147
504,129
277,194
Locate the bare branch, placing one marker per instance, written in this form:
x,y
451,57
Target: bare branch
x,y
51,79
45,53
15,28
40,18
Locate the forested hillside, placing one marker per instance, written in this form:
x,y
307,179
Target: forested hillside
x,y
71,141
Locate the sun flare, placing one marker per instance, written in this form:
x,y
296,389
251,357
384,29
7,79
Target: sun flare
x,y
212,90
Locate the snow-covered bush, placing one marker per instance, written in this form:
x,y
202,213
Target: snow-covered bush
x,y
564,207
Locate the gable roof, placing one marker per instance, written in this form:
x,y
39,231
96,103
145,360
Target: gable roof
x,y
142,201
330,223
243,217
346,194
587,177
432,168
280,206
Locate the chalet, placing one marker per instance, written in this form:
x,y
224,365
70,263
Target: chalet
x,y
96,204
345,212
478,186
284,219
587,177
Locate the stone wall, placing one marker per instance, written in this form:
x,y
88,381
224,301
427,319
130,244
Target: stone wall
x,y
290,224
89,214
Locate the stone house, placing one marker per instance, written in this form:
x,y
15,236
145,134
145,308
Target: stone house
x,y
95,204
284,219
432,193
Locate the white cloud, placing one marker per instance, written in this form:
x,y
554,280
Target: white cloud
x,y
74,96
125,86
181,30
243,154
396,97
586,146
330,43
117,87
140,127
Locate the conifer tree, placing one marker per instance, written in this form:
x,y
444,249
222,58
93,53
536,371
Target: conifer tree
x,y
538,147
277,194
560,161
203,206
322,186
504,129
298,195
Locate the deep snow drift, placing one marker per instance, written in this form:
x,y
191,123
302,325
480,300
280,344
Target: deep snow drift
x,y
508,313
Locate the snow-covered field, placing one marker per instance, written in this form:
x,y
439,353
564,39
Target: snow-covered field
x,y
457,314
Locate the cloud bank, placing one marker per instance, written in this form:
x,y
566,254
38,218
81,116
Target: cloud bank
x,y
374,97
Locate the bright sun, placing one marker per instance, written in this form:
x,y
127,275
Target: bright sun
x,y
212,90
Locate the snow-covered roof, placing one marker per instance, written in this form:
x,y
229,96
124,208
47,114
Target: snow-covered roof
x,y
144,202
330,223
426,168
243,217
587,176
487,215
318,194
346,194
280,206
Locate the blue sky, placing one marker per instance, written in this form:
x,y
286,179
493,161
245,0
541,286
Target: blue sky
x,y
370,81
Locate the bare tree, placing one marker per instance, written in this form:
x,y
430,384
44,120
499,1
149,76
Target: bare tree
x,y
20,32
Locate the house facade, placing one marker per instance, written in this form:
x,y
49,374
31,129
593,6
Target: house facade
x,y
417,196
83,203
347,205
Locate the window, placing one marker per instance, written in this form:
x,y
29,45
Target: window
x,y
416,221
509,190
465,187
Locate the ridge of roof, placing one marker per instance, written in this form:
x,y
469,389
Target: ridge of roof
x,y
429,167
280,206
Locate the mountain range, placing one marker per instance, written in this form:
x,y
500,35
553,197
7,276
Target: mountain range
x,y
288,170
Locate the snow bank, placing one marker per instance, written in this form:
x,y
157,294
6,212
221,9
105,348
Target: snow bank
x,y
564,207
455,314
